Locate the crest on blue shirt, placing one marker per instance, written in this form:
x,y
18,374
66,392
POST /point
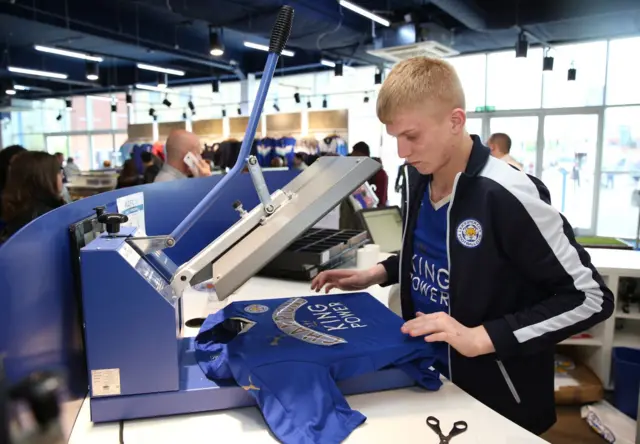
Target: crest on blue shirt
x,y
256,308
469,233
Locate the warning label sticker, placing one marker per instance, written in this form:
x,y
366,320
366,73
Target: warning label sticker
x,y
105,382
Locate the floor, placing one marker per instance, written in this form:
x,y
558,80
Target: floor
x,y
571,428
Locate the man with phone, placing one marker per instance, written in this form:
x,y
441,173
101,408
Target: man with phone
x,y
183,158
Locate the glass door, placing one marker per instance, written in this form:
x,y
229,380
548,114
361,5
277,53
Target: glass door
x,y
569,159
523,131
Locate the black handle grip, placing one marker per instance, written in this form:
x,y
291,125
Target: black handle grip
x,y
281,30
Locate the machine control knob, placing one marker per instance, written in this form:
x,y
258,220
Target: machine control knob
x,y
113,221
100,210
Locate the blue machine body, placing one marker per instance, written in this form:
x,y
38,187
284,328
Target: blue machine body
x,y
139,363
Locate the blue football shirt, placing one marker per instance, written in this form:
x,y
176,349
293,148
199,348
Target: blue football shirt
x,y
289,354
430,266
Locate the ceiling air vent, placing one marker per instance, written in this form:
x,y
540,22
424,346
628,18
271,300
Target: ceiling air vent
x,y
427,48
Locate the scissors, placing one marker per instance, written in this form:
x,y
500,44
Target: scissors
x,y
458,428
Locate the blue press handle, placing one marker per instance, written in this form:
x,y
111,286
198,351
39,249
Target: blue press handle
x,y
279,36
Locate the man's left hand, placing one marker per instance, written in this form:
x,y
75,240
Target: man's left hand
x,y
440,327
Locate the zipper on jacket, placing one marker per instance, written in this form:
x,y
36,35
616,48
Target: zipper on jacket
x,y
404,233
453,194
508,380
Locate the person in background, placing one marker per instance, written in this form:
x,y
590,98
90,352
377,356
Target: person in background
x,y
71,169
500,146
490,273
179,143
298,162
33,188
129,176
380,180
6,156
277,162
60,157
151,166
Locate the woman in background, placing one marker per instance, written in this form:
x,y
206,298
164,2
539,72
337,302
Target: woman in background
x,y
33,188
6,155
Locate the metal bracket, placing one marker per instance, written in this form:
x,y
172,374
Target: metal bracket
x,y
260,185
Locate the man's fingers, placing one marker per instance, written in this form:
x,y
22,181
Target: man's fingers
x,y
329,288
424,328
437,337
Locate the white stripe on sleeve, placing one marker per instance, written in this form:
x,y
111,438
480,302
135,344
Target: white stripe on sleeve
x,y
550,224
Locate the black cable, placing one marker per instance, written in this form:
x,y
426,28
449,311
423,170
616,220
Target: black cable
x,y
121,432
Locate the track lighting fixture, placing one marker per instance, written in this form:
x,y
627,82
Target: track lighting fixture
x,y
522,45
338,69
215,86
68,104
296,97
377,78
239,111
276,107
166,102
216,47
224,112
309,103
129,99
191,106
92,71
324,102
152,112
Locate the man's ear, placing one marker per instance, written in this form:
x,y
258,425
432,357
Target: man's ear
x,y
458,120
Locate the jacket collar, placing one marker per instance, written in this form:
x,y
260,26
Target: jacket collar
x,y
478,158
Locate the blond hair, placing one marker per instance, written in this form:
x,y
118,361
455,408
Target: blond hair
x,y
417,81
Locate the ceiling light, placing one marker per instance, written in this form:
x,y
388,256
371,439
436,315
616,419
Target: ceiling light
x,y
377,78
68,104
59,117
35,72
337,70
276,107
571,74
129,99
21,88
151,88
324,102
547,63
184,116
173,72
92,71
152,112
328,63
166,102
366,99
363,12
215,86
216,47
522,46
224,112
309,103
239,111
296,97
285,52
191,105
114,107
10,91
64,52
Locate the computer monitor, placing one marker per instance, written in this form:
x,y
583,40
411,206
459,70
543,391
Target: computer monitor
x,y
384,226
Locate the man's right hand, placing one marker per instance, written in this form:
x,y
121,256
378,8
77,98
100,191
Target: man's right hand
x,y
349,280
204,169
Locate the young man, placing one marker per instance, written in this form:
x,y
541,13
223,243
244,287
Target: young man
x,y
489,270
500,146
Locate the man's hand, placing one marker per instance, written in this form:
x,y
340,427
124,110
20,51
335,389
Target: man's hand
x,y
204,169
349,280
440,327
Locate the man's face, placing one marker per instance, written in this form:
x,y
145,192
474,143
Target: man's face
x,y
424,139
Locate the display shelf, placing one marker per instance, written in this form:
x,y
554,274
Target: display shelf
x,y
629,336
634,315
592,342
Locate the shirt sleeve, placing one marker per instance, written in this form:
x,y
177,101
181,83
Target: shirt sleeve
x,y
540,242
301,403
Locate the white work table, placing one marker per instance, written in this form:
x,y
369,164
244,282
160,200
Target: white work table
x,y
394,415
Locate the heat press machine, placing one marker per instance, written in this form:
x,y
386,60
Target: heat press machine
x,y
139,363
